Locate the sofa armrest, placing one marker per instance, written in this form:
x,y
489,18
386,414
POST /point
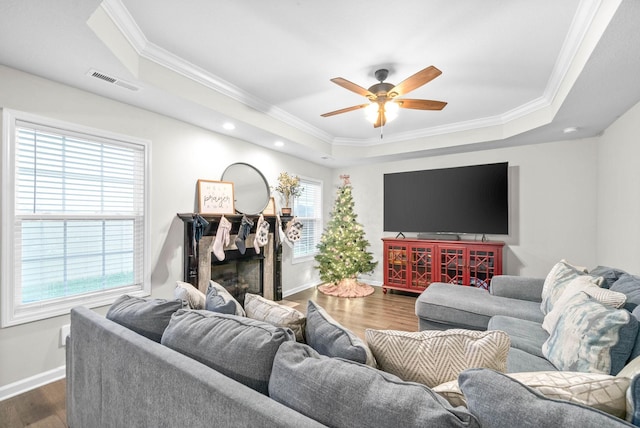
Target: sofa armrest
x,y
517,287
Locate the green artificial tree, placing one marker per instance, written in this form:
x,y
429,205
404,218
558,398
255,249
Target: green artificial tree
x,y
343,249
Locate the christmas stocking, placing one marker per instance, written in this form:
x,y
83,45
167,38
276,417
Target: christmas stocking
x,y
294,230
222,238
243,232
262,234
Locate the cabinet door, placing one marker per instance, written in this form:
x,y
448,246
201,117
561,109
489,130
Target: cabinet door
x,y
395,272
422,263
453,264
482,266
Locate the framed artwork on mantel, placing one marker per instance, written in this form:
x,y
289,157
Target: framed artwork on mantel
x,y
215,197
271,207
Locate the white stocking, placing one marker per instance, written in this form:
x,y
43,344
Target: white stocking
x,y
222,238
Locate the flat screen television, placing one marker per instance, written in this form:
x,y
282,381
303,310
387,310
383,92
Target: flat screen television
x,y
469,199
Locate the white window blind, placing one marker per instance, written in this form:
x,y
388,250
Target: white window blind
x,y
308,208
78,221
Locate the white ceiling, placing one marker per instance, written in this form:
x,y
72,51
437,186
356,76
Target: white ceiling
x,y
515,72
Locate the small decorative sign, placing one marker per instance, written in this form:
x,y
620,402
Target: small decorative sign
x,y
271,207
215,197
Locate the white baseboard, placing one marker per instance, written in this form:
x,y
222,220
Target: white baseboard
x,y
298,289
32,382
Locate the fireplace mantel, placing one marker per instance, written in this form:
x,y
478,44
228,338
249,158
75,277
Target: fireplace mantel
x,y
197,258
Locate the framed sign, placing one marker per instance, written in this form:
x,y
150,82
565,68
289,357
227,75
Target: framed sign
x,y
215,197
271,207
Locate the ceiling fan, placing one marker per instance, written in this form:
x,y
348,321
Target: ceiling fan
x,y
383,96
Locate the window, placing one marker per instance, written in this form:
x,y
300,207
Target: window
x,y
74,222
308,208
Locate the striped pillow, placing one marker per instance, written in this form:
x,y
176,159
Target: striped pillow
x,y
433,357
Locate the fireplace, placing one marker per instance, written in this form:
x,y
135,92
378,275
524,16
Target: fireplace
x,y
239,273
200,264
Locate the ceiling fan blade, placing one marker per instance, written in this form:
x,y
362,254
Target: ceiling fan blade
x,y
421,104
344,110
420,78
353,87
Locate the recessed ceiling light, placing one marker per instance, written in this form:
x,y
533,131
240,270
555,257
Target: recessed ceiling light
x,y
229,126
569,130
278,143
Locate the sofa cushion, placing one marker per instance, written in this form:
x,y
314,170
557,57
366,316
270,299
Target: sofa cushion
x,y
147,317
215,302
560,275
630,286
470,307
343,393
193,296
327,337
226,296
432,357
590,337
522,361
525,335
499,401
589,285
240,348
603,392
259,308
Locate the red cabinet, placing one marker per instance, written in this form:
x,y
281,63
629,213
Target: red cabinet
x,y
413,264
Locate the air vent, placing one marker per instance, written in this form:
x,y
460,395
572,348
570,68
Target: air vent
x,y
114,80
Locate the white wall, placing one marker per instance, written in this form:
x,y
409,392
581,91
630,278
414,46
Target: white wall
x,y
181,154
619,193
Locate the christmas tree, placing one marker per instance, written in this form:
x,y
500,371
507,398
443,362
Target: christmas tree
x,y
343,249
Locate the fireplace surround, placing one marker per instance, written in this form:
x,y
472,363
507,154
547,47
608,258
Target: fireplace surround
x,y
199,261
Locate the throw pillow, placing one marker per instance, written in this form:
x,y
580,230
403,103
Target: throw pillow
x,y
630,286
499,401
342,393
216,303
589,285
602,392
240,348
608,274
590,337
226,296
554,284
193,296
147,317
327,337
433,357
259,308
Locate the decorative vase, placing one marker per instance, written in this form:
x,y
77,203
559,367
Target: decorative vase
x,y
286,211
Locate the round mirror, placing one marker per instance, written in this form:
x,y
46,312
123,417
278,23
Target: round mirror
x,y
250,188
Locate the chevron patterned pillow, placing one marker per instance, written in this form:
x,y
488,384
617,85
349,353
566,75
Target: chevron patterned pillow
x,y
433,357
603,392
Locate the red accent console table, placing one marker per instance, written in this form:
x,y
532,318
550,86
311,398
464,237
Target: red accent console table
x,y
413,264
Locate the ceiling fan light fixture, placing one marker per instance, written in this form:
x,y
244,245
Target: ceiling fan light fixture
x,y
371,112
390,111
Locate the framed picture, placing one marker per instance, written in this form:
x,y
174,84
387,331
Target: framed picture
x,y
215,197
271,207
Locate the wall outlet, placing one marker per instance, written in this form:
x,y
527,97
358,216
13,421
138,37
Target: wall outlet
x,y
65,330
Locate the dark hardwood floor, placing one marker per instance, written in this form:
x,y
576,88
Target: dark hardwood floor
x,y
44,407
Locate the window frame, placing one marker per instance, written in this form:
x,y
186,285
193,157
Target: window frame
x,y
12,312
319,220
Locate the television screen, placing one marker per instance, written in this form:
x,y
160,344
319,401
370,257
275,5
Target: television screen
x,y
468,199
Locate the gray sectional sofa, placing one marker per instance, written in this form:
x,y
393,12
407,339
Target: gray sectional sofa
x,y
209,370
